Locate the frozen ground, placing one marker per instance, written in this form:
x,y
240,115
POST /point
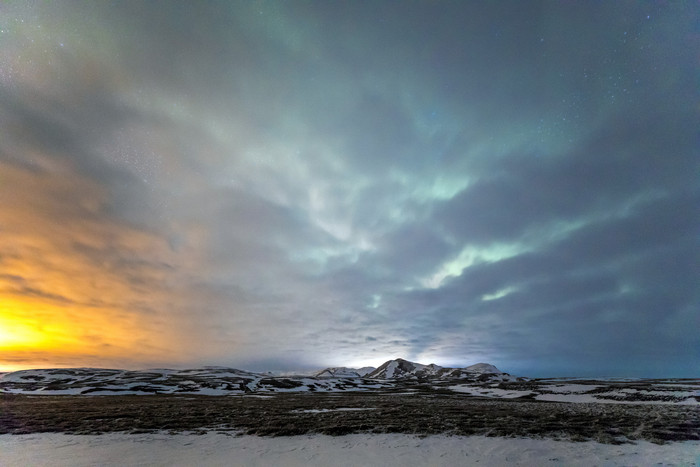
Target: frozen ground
x,y
54,449
288,414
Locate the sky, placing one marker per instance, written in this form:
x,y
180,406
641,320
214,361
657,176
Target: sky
x,y
299,184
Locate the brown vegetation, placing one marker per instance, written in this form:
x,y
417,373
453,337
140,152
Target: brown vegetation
x,y
423,413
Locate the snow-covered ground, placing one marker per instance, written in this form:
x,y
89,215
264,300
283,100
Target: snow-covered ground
x,y
352,450
590,393
489,391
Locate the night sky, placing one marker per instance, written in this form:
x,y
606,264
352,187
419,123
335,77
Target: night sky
x,y
286,185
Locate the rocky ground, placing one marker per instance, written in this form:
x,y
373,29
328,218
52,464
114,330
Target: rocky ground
x,y
423,411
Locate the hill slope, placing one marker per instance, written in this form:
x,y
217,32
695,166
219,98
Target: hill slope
x,y
403,369
393,377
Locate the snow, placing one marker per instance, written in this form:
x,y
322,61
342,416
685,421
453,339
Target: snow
x,y
483,368
345,372
403,369
579,393
400,368
365,370
339,372
674,392
569,388
340,409
588,398
55,449
207,381
397,374
391,369
489,392
574,398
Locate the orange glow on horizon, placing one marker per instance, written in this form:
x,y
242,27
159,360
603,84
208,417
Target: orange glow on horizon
x,y
36,334
20,331
79,287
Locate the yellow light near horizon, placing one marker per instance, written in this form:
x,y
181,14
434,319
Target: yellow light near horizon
x,y
22,326
64,300
34,333
17,334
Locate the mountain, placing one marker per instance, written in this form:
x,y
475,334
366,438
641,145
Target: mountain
x,y
344,372
393,377
403,369
223,381
482,368
400,368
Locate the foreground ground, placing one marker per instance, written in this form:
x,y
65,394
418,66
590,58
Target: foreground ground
x,y
218,449
293,414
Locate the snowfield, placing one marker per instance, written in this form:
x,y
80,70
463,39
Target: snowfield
x,y
52,449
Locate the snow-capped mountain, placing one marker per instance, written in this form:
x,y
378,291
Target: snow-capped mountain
x,y
345,372
222,380
482,368
403,369
365,370
400,368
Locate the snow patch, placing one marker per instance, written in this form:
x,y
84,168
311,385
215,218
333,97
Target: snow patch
x,y
341,409
53,449
489,392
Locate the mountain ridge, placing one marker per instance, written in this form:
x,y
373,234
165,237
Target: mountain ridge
x,y
400,368
218,380
394,377
345,372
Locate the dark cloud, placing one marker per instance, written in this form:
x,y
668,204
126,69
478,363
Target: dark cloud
x,y
618,164
617,288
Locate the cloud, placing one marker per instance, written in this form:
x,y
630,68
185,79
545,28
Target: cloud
x,y
259,184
